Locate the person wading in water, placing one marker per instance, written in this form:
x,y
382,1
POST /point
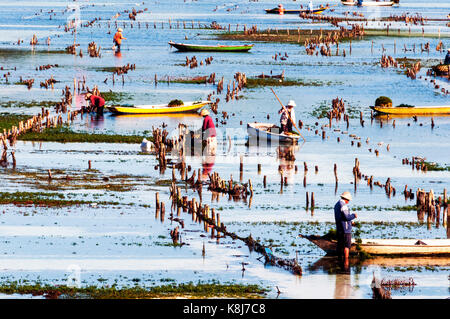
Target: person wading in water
x,y
208,133
96,103
343,220
118,37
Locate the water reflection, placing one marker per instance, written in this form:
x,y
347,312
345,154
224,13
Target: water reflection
x,y
97,121
207,166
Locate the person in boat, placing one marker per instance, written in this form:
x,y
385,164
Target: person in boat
x,y
280,9
310,6
447,58
118,37
286,119
209,140
96,103
343,220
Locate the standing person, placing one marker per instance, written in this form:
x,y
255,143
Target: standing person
x,y
96,103
344,225
286,120
310,6
118,37
280,9
208,133
447,57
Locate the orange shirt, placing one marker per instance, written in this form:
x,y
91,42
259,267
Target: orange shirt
x,y
118,37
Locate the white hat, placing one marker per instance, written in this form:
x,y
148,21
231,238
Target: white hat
x,y
204,112
346,195
291,103
120,30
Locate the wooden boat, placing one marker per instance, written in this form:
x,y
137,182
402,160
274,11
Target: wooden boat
x,y
219,48
298,11
270,132
388,247
412,110
157,109
369,3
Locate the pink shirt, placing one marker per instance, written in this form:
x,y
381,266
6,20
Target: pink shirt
x,y
208,126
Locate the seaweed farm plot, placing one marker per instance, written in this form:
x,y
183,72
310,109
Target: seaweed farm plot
x,y
96,204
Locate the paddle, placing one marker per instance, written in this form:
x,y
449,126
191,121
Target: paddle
x,y
288,114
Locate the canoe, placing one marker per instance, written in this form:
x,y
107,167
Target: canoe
x,y
413,110
369,3
219,48
270,132
388,247
299,11
157,109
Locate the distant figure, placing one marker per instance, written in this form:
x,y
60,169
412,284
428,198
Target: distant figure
x,y
96,103
447,57
286,120
280,9
118,37
343,220
209,139
310,6
360,2
146,146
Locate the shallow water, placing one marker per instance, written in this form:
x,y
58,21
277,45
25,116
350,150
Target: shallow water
x,y
126,244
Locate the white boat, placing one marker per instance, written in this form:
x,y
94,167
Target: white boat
x,y
394,247
369,3
270,132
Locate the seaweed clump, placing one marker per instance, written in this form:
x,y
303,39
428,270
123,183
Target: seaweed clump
x,y
383,101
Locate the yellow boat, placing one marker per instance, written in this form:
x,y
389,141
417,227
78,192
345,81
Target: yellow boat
x,y
412,110
187,107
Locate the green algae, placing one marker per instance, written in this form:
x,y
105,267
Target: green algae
x,y
187,290
23,104
66,135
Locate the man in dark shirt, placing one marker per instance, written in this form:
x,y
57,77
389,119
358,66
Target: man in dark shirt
x,y
447,57
343,220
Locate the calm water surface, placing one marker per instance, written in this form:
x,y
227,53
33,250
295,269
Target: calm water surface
x,y
126,244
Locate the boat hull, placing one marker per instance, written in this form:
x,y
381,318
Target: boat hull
x,y
369,3
260,131
211,48
156,109
417,110
277,11
388,247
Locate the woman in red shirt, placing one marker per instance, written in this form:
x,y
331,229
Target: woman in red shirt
x,y
96,103
208,133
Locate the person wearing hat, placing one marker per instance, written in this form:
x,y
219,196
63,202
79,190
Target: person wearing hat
x,y
208,133
286,120
118,37
96,103
310,7
343,220
447,57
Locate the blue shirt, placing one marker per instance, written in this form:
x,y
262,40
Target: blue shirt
x,y
447,58
343,217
